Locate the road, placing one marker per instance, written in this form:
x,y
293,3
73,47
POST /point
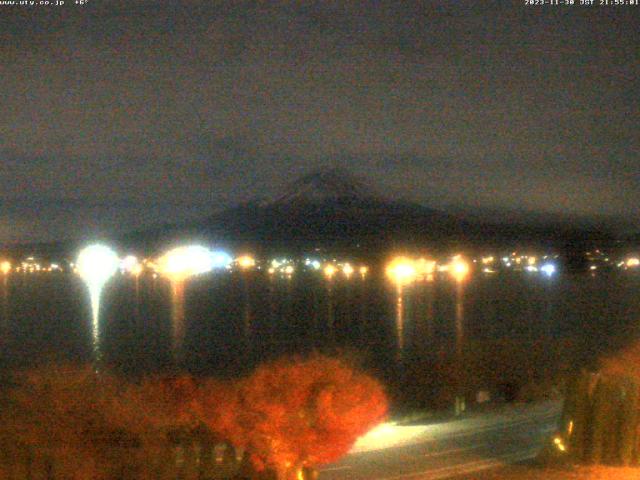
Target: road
x,y
448,449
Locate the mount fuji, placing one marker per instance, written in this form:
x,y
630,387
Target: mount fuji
x,y
333,208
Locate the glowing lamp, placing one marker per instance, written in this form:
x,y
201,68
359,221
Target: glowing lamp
x,y
329,271
130,264
184,262
401,270
458,268
633,262
5,267
136,270
96,264
425,268
548,269
364,270
246,262
347,269
220,259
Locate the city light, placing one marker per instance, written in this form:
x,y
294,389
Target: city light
x,y
632,262
347,269
557,441
246,262
130,264
458,268
487,260
315,264
136,270
184,262
401,270
548,269
5,267
219,259
363,271
96,264
329,271
425,268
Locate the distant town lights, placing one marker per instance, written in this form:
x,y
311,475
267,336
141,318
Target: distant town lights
x,y
548,269
220,259
246,262
329,271
96,264
401,270
459,268
130,264
347,269
5,267
183,262
632,262
424,268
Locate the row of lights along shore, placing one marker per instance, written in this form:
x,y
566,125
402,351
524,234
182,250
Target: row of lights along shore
x,y
194,259
97,263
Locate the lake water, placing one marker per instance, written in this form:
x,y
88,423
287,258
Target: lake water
x,y
487,332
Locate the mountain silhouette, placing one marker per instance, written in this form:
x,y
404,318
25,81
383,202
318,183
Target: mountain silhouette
x,y
326,185
334,208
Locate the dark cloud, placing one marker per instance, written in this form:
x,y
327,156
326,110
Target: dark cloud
x,y
209,103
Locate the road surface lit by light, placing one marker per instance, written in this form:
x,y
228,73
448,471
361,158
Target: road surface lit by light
x,y
389,435
450,447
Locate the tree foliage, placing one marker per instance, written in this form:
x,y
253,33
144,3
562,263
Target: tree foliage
x,y
304,412
288,414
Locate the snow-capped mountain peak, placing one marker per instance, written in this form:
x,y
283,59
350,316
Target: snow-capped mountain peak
x,y
326,185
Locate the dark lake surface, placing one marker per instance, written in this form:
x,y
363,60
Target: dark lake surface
x,y
493,328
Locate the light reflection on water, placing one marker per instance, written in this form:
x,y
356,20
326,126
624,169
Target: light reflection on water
x,y
229,322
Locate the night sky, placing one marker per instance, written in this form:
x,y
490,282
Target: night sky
x,y
117,115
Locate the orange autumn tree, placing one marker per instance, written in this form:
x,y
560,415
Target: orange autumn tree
x,y
296,413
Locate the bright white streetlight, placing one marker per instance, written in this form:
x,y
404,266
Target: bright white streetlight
x,y
184,262
96,264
